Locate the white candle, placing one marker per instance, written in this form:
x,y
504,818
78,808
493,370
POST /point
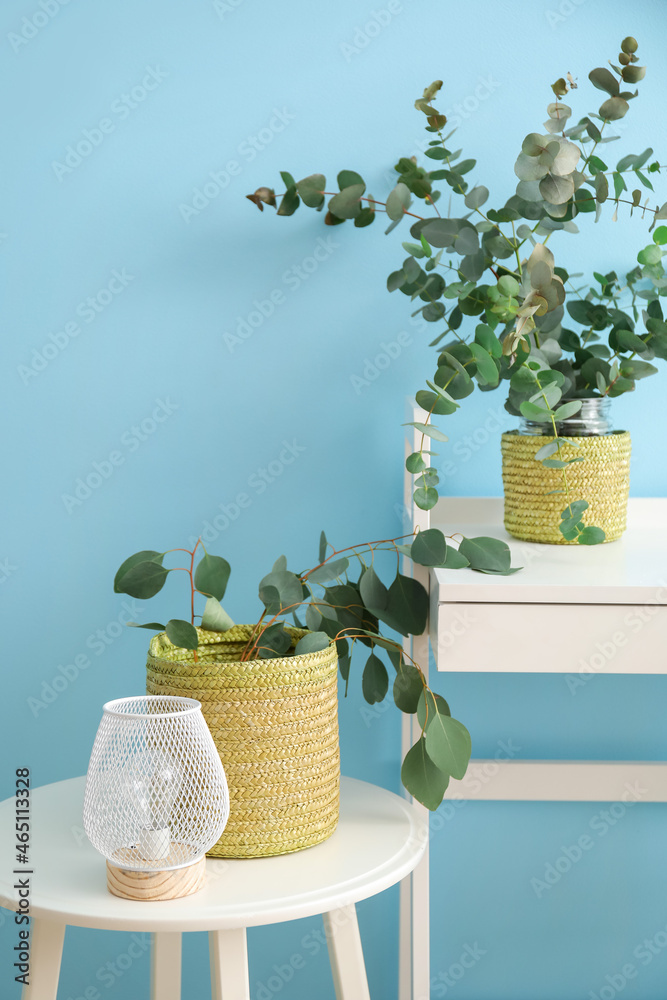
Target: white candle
x,y
154,843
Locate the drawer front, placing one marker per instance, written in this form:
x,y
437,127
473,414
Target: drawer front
x,y
581,640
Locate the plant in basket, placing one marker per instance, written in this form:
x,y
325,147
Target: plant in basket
x,y
269,690
506,313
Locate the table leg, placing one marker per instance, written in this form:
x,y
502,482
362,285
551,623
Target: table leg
x,y
345,953
166,966
46,948
229,964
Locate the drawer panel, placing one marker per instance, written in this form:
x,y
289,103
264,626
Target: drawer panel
x,y
558,638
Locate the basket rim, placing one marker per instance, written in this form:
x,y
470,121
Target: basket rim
x,y
217,645
187,706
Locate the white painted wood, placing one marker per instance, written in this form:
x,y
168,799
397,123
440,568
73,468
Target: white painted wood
x,y
562,781
166,966
46,949
214,964
405,939
346,954
377,842
582,640
229,964
631,571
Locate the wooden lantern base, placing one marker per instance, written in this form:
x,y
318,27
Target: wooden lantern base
x,y
152,886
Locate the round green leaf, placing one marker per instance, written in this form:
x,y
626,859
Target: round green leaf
x,y
375,681
591,536
373,592
429,706
143,580
408,687
407,604
448,744
613,109
212,575
312,642
398,202
415,463
346,178
215,618
182,634
428,429
311,190
486,553
274,641
422,778
429,547
147,555
347,204
425,497
280,592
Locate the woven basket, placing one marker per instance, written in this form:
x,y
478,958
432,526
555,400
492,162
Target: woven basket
x,y
275,724
603,479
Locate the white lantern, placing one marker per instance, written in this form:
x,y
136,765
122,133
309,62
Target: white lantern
x,y
156,796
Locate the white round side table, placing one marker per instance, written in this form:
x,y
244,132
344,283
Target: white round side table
x,y
380,839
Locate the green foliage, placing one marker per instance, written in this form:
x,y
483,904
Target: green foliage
x,y
344,607
497,267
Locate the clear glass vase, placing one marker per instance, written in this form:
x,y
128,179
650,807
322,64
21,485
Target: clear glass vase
x,y
592,420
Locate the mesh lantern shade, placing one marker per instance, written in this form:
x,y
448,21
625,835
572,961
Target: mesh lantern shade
x,y
156,795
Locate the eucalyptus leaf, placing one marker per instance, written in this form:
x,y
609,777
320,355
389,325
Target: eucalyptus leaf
x,y
146,555
486,553
312,642
329,571
143,579
182,634
215,618
374,682
429,547
408,687
212,576
422,778
448,744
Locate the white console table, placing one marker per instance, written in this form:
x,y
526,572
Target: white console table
x,y
604,609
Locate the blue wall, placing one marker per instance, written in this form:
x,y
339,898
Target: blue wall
x,y
241,89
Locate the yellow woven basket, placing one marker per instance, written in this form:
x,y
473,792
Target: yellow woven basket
x,y
275,724
603,479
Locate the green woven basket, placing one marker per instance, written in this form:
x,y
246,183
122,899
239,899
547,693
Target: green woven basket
x,y
275,724
603,479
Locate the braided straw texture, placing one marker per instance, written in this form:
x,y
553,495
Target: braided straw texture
x,y
275,724
603,479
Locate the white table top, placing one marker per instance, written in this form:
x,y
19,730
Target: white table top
x,y
380,838
632,570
